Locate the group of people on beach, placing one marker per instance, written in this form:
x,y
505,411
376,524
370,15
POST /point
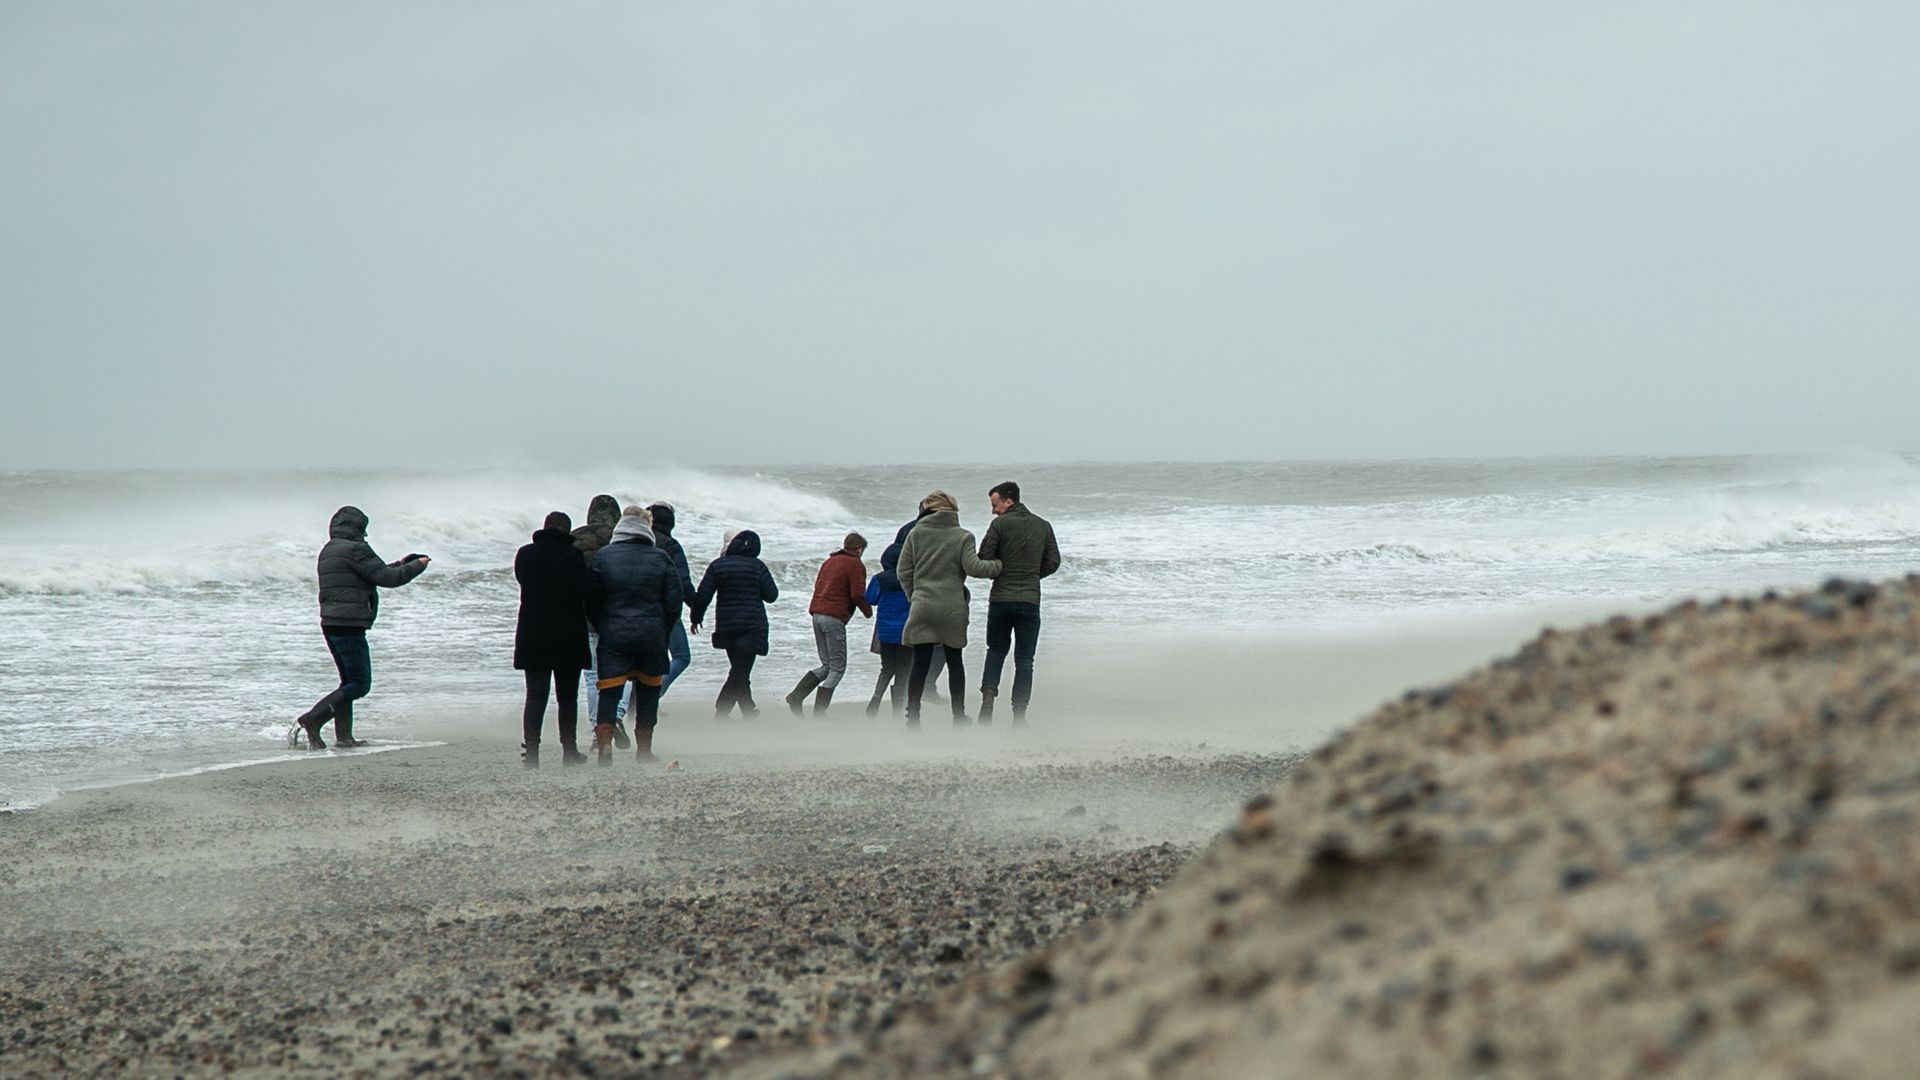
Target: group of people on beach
x,y
605,599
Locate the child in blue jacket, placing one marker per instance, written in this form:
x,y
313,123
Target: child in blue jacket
x,y
890,607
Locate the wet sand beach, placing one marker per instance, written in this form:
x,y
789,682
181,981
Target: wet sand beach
x,y
445,910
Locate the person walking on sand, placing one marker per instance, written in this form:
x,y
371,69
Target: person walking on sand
x,y
1023,542
351,577
838,589
679,648
939,658
637,599
603,513
743,587
935,562
890,609
550,635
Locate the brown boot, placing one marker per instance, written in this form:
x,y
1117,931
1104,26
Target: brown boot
x,y
643,744
603,743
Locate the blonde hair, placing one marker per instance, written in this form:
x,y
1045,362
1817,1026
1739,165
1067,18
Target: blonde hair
x,y
939,500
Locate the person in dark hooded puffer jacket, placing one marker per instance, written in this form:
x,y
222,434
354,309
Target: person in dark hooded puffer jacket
x,y
351,576
550,634
603,513
637,600
744,587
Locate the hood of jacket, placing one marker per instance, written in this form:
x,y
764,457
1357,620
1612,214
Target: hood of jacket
x,y
940,519
603,510
746,543
632,528
662,518
888,579
553,536
349,523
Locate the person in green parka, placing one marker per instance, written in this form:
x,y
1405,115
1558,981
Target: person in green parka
x,y
935,562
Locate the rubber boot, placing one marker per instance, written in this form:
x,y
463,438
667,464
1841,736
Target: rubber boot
x,y
315,718
530,755
603,743
343,727
986,705
800,691
822,699
873,706
643,744
570,754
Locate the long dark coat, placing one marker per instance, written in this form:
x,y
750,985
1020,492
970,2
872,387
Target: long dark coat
x,y
556,589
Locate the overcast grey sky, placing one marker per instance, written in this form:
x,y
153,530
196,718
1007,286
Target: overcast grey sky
x,y
287,234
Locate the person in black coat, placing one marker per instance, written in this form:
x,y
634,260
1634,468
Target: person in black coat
x,y
637,601
550,636
744,587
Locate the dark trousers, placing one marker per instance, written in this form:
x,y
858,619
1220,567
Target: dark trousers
x,y
738,689
355,664
896,667
956,678
566,686
1014,623
646,704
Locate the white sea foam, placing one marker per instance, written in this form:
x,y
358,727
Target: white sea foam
x,y
156,622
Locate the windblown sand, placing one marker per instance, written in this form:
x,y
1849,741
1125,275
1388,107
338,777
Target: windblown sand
x,y
1683,844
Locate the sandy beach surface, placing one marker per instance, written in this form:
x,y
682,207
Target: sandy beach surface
x,y
790,882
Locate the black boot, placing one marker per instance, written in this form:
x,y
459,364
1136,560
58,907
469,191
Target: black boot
x,y
986,704
530,755
822,699
570,754
343,727
873,706
801,690
315,718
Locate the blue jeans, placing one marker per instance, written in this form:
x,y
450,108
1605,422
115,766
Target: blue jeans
x,y
679,653
592,675
1015,624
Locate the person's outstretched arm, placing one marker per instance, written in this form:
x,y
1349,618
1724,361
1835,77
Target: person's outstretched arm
x,y
857,587
385,574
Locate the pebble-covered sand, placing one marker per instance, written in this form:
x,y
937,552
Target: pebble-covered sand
x,y
444,912
1686,844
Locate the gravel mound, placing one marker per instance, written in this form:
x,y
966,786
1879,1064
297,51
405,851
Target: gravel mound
x,y
1683,844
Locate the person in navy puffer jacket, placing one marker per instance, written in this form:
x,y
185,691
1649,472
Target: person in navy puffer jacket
x,y
890,609
744,587
636,602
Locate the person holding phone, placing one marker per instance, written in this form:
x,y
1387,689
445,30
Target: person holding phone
x,y
351,577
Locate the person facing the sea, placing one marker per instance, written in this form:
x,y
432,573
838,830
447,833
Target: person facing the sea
x,y
935,562
603,513
351,576
550,635
838,589
637,600
679,649
889,602
939,658
1024,543
743,587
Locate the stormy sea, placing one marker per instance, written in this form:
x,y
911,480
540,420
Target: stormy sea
x,y
159,623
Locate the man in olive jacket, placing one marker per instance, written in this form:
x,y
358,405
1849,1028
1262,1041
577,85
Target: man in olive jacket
x,y
1023,543
351,577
